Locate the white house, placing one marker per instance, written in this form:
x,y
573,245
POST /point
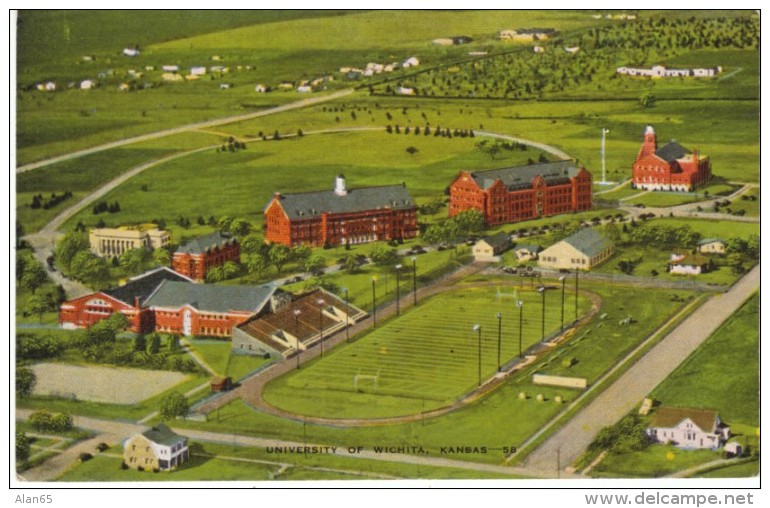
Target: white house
x,y
123,87
260,88
711,246
572,50
170,68
87,84
286,85
488,248
130,52
171,76
158,448
197,70
412,61
526,252
402,90
304,89
538,49
688,428
224,86
688,264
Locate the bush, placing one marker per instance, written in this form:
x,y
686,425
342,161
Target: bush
x,y
84,457
123,466
102,447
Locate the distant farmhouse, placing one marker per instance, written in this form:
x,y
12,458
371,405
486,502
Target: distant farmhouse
x,y
452,41
711,246
526,34
688,428
522,193
658,71
195,258
582,250
296,326
684,263
158,448
341,216
671,167
114,242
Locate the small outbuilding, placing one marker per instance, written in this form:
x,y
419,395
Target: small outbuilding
x,y
711,246
488,248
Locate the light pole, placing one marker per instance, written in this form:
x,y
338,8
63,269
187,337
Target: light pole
x,y
374,303
321,303
562,279
499,338
297,312
414,279
520,305
604,134
477,328
347,315
541,289
398,289
577,285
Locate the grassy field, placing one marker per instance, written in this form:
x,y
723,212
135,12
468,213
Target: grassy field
x,y
220,462
426,358
744,470
217,354
721,374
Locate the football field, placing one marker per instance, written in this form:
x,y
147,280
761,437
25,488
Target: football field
x,y
427,358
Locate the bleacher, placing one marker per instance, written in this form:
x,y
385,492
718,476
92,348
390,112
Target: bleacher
x,y
282,329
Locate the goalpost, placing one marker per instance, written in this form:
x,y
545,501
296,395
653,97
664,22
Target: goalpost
x,y
371,378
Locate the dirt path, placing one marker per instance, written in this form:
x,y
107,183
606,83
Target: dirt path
x,y
618,399
184,128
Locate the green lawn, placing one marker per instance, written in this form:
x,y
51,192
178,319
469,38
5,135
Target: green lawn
x,y
221,462
426,358
744,470
654,462
217,354
750,207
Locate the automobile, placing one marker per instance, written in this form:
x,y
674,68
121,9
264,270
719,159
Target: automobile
x,y
563,270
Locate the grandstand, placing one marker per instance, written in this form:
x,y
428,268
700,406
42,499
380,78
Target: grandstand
x,y
296,326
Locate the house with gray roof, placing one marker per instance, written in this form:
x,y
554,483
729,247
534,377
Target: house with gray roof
x,y
341,216
156,449
582,250
489,247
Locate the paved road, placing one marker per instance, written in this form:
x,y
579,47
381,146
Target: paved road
x,y
541,146
636,383
184,128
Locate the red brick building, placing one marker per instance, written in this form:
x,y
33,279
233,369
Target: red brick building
x,y
195,258
672,167
165,301
522,193
341,216
128,299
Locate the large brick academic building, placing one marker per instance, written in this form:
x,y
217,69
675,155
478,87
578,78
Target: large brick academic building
x,y
522,193
341,216
671,167
195,258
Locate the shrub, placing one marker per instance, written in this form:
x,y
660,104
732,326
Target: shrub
x,y
102,447
123,466
84,457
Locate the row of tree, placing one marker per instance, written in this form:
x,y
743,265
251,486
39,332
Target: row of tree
x,y
461,226
39,202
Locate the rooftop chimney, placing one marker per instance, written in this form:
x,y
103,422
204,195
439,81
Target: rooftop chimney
x,y
339,185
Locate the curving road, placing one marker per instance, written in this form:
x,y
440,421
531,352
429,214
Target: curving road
x,y
184,128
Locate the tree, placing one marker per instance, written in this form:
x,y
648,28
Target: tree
x,y
351,264
40,304
174,405
257,264
411,150
26,380
229,270
469,222
89,268
105,331
279,255
154,346
173,343
22,447
224,223
135,261
34,276
240,227
251,244
161,257
301,252
489,147
41,419
315,263
140,343
647,99
69,246
613,233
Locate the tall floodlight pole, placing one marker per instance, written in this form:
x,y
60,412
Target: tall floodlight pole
x,y
542,314
499,338
347,315
398,289
414,279
297,312
477,328
577,285
604,134
321,303
520,305
562,279
374,303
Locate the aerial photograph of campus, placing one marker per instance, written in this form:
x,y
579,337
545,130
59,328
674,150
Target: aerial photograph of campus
x,y
274,246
